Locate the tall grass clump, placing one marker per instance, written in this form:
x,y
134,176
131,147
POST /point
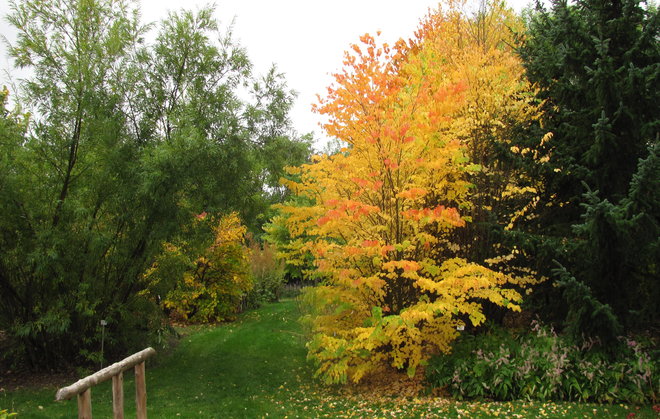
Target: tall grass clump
x,y
267,274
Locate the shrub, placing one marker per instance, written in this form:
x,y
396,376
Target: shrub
x,y
545,366
204,280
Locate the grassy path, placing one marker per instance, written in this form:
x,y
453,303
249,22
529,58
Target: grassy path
x,y
240,369
256,368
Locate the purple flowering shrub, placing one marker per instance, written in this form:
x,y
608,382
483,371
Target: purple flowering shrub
x,y
542,365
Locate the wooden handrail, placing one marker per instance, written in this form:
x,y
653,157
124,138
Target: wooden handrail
x,y
82,387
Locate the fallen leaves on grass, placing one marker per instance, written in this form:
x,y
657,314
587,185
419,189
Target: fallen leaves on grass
x,y
341,403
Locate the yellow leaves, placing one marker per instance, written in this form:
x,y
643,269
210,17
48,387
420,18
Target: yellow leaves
x,y
407,333
229,230
513,190
477,318
547,137
522,212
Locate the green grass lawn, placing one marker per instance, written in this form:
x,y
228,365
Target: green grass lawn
x,y
256,367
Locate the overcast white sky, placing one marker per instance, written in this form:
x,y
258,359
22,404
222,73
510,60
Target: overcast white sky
x,y
304,38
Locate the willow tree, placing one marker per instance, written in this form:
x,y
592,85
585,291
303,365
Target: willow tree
x,y
126,143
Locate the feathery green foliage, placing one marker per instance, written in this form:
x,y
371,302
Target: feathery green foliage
x,y
126,142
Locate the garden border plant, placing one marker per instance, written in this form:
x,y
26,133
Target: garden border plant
x,y
542,365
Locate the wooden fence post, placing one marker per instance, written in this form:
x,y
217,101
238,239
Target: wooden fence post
x,y
118,396
85,404
140,392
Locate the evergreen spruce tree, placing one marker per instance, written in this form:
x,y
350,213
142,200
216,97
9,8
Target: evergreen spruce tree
x,y
597,64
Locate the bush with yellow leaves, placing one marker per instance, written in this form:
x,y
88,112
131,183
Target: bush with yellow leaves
x,y
204,280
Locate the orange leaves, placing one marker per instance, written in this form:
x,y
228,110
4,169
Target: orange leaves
x,y
361,182
412,193
449,216
343,209
404,129
389,164
367,81
330,215
331,203
403,265
353,251
385,250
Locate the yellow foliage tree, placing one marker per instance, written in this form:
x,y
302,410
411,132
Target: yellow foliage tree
x,y
204,280
383,211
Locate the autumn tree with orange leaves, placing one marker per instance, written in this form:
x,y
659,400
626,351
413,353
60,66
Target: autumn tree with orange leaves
x,y
384,211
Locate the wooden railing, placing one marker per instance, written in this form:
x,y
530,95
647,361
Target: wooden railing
x,y
83,387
